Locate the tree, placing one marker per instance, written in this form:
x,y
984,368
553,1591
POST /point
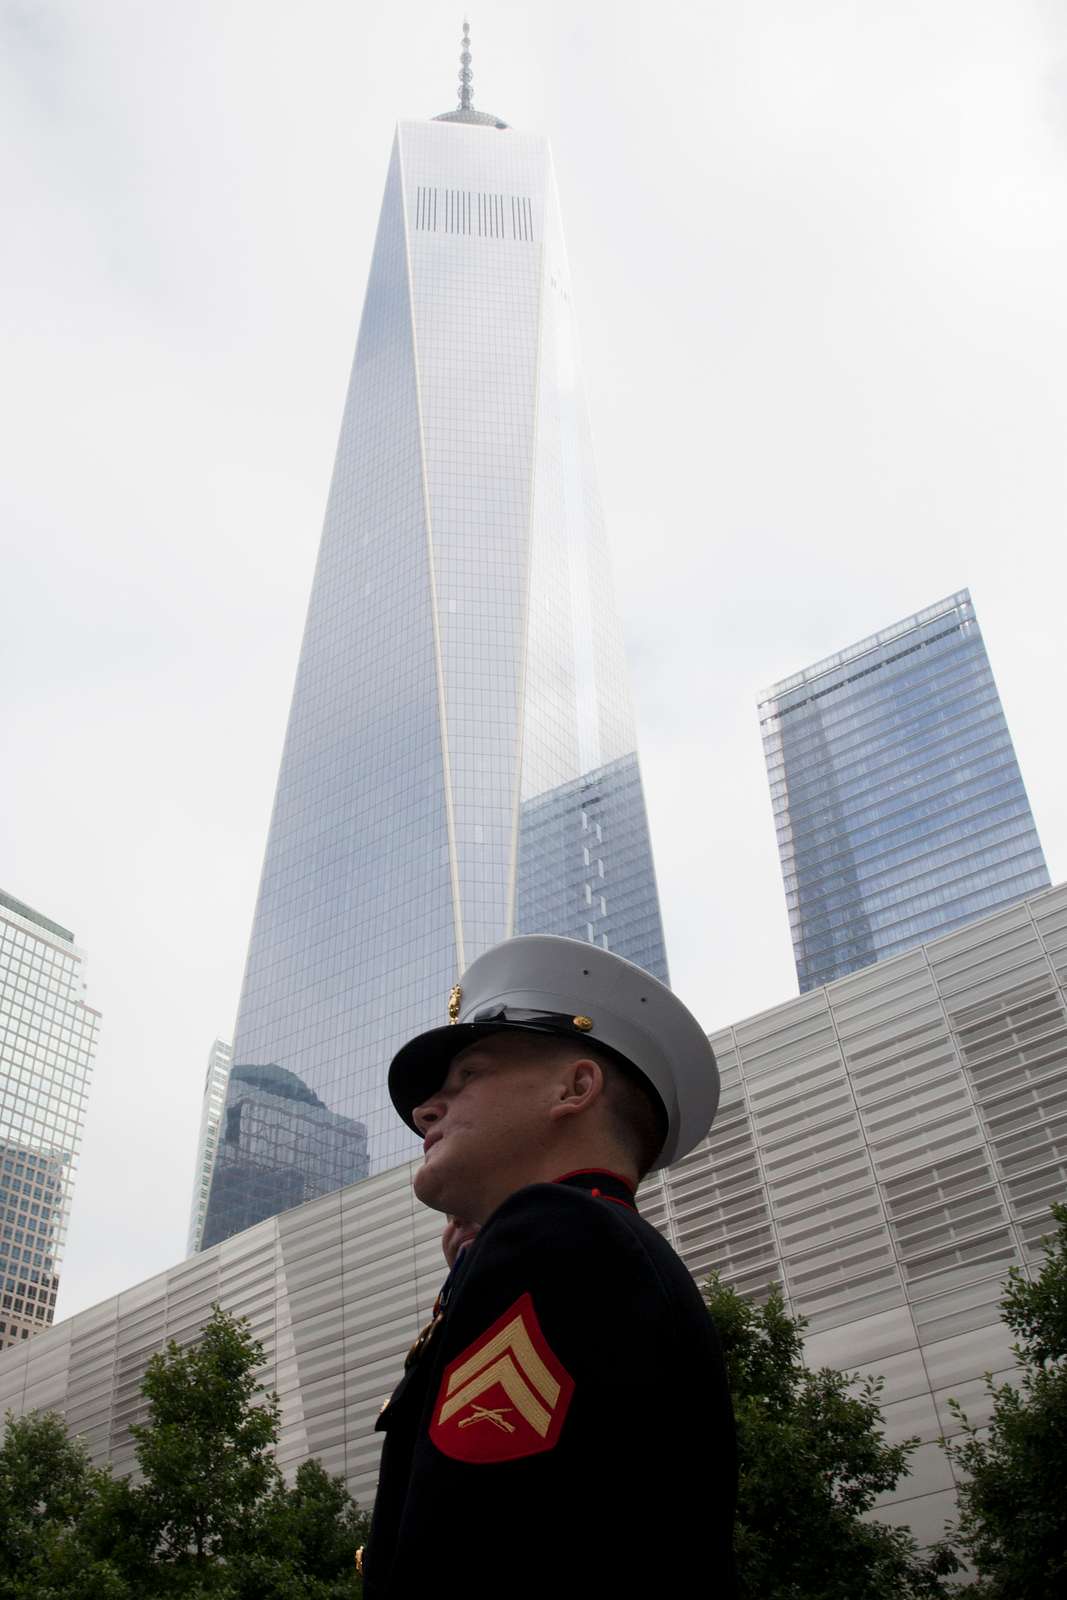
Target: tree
x,y
206,1450
311,1532
812,1460
1013,1511
212,1515
48,1496
211,1518
323,1523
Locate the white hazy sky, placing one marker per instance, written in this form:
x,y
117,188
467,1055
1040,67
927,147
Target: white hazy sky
x,y
819,252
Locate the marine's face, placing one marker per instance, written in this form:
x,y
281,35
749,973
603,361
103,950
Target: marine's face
x,y
485,1127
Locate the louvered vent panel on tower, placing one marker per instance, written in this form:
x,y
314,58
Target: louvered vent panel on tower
x,y
483,216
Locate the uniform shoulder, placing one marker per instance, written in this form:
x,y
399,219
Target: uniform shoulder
x,y
599,1236
544,1203
586,1262
568,1222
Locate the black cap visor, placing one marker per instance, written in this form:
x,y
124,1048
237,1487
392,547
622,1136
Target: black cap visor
x,y
420,1067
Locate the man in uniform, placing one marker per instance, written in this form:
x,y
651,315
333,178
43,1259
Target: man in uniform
x,y
563,1426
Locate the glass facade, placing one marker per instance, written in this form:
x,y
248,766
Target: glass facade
x,y
280,1146
218,1073
462,674
585,845
898,802
47,1043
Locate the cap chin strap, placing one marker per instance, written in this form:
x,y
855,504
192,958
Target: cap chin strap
x,y
502,1013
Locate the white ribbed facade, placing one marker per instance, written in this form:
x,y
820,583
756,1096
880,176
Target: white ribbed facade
x,y
886,1149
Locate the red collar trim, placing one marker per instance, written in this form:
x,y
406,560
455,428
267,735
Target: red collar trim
x,y
580,1172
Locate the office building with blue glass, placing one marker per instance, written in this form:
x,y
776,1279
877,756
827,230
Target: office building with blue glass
x,y
460,763
898,801
48,1041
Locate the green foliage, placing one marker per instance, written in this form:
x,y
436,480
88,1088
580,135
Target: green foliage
x,y
812,1460
48,1493
205,1452
309,1533
321,1525
210,1518
1037,1311
1013,1509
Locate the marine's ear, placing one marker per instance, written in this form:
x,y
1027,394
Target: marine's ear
x,y
580,1084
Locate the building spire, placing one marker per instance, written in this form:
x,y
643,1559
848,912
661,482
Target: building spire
x,y
466,76
465,111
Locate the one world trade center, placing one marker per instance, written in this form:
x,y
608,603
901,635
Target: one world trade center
x,y
460,762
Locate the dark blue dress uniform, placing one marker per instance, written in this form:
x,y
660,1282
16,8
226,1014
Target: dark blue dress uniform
x,y
564,1428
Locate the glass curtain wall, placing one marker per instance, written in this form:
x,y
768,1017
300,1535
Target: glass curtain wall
x,y
47,1044
462,683
899,805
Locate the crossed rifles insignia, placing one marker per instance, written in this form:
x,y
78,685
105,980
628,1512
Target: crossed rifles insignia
x,y
507,1394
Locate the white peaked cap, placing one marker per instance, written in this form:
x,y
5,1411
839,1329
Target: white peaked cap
x,y
540,983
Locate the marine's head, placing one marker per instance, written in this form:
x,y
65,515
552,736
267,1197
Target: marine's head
x,y
557,1055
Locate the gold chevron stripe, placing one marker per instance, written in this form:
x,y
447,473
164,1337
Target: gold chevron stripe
x,y
512,1337
514,1385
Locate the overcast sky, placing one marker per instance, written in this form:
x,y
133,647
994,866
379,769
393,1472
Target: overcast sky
x,y
819,253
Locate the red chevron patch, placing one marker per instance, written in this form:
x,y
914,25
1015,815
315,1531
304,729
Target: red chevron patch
x,y
506,1396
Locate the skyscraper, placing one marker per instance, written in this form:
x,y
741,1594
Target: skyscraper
x,y
899,805
218,1073
47,1043
460,763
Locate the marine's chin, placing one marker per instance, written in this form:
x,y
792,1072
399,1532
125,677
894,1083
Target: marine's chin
x,y
429,1185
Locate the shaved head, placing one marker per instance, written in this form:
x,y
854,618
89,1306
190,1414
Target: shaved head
x,y
631,1110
